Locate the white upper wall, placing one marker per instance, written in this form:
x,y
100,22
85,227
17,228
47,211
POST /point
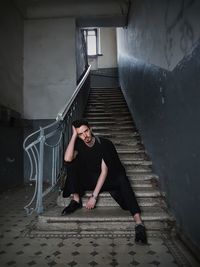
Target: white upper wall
x,y
49,66
108,48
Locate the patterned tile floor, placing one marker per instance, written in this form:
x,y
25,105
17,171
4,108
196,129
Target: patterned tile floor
x,y
16,249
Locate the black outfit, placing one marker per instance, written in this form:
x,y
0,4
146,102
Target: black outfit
x,y
83,173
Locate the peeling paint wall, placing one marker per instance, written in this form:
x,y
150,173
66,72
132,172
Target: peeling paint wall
x,y
159,67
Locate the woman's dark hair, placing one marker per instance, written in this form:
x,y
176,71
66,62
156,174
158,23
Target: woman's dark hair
x,y
80,122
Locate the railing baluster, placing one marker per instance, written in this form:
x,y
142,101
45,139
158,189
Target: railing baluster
x,y
39,207
56,164
53,166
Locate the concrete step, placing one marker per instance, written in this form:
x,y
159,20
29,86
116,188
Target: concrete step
x,y
119,141
108,105
102,220
135,171
106,99
111,94
142,184
123,139
97,114
107,102
134,141
109,123
115,128
105,92
142,176
93,108
94,120
107,201
109,115
106,112
137,168
126,141
132,146
136,162
136,156
121,135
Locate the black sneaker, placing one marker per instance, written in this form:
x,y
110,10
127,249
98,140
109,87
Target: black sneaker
x,y
73,205
140,234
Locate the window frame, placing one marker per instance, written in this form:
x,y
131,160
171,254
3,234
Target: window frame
x,y
97,35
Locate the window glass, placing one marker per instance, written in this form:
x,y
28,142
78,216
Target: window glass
x,y
92,45
91,41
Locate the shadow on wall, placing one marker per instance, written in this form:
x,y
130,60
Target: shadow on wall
x,y
165,107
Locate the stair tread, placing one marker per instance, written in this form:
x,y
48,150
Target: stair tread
x,y
136,162
139,192
110,202
105,214
143,176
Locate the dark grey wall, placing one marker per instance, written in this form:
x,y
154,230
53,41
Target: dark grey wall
x,y
11,95
11,56
159,67
11,150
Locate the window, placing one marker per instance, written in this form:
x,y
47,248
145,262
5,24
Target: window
x,y
92,41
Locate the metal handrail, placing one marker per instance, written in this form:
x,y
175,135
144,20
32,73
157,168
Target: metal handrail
x,y
53,137
62,113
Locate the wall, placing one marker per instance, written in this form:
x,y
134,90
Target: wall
x,y
11,96
81,54
11,54
104,72
107,77
11,156
159,65
49,66
108,48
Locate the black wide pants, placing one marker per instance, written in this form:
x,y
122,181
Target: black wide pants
x,y
118,185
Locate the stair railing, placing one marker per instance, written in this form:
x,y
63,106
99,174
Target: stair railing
x,y
45,147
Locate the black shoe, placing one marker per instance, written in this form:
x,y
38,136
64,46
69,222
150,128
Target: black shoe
x,y
140,234
73,205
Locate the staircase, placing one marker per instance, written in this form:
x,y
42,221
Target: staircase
x,y
109,117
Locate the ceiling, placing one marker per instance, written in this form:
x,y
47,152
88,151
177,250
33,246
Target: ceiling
x,y
86,12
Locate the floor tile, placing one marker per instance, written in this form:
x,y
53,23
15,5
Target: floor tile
x,y
19,250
